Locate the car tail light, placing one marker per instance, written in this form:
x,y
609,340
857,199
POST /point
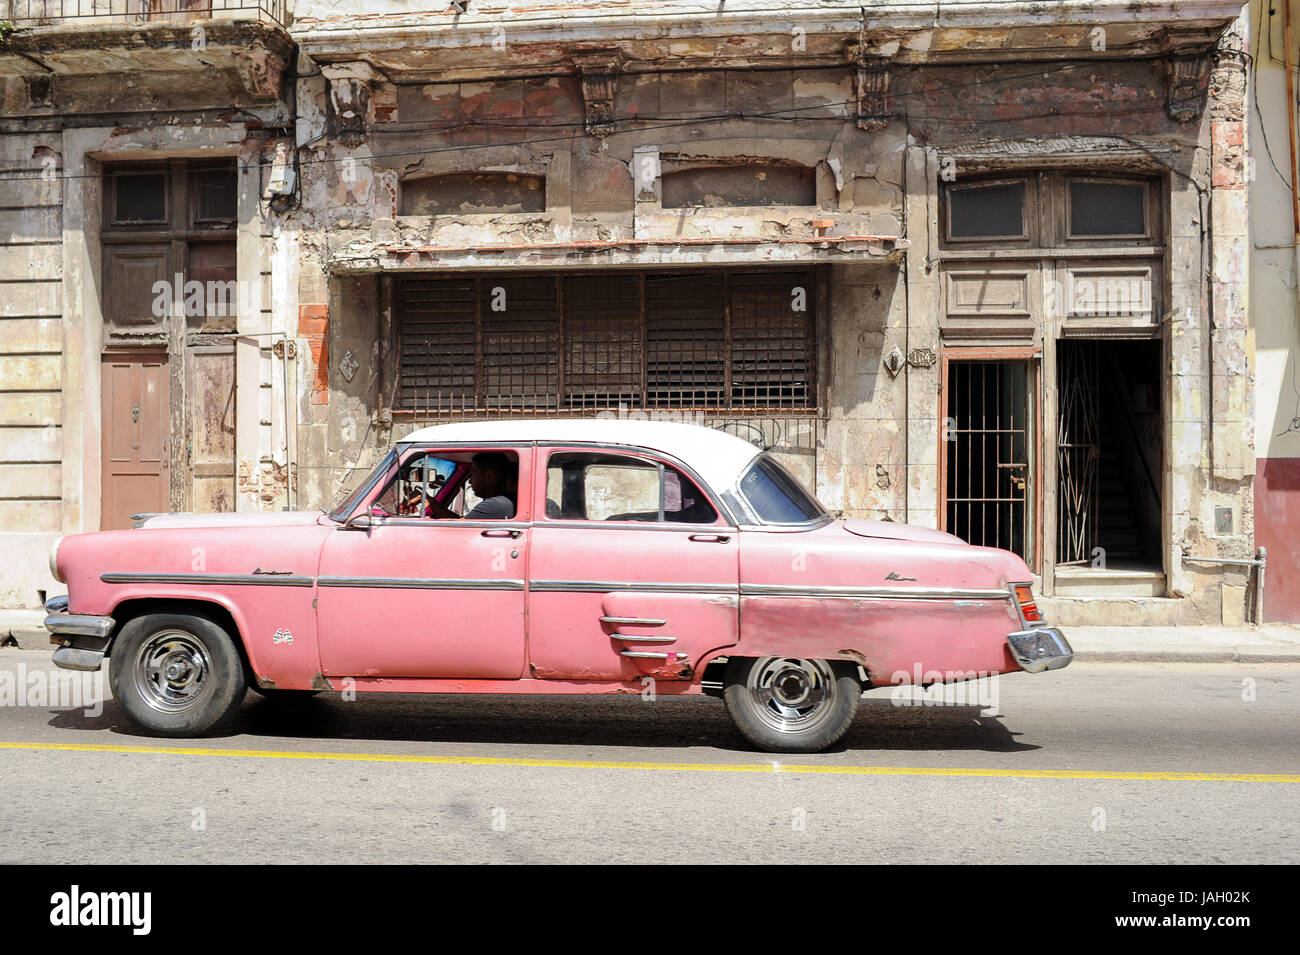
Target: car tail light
x,y
1028,609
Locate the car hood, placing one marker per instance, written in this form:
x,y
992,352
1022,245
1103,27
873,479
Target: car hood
x,y
242,519
891,530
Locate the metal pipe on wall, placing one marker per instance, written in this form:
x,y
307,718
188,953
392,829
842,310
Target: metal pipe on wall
x,y
284,385
1259,562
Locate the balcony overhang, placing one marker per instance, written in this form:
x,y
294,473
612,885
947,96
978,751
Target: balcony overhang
x,y
257,52
618,253
532,37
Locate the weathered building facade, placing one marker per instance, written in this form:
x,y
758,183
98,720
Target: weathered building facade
x,y
975,266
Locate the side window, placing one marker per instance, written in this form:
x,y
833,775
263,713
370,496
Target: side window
x,y
447,485
594,486
420,479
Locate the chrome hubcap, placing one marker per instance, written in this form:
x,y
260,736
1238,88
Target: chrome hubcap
x,y
171,670
791,695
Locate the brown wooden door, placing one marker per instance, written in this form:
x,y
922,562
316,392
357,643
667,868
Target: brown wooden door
x,y
135,422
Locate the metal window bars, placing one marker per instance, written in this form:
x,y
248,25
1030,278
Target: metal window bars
x,y
558,343
35,13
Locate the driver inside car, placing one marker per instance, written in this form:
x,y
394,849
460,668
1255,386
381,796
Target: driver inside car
x,y
492,476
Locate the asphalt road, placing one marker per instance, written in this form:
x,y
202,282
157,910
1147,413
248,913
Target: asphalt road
x,y
1081,765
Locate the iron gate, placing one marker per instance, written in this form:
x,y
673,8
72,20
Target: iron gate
x,y
1078,451
990,475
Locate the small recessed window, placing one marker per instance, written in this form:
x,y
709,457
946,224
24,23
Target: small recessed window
x,y
996,210
750,184
216,198
1107,208
473,193
139,198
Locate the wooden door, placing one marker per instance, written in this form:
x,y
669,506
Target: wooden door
x,y
211,422
135,433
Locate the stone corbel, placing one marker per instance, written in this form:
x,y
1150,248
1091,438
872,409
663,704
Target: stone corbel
x,y
873,92
1187,79
598,71
261,72
349,97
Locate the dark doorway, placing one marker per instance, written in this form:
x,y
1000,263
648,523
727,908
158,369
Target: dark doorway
x,y
1110,445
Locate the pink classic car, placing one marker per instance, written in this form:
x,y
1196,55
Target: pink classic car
x,y
547,556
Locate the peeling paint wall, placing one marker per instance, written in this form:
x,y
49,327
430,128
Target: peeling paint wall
x,y
607,189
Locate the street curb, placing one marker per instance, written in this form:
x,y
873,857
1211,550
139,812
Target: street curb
x,y
26,636
1191,655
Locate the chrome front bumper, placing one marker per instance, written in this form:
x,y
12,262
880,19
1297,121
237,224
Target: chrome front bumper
x,y
1039,649
81,638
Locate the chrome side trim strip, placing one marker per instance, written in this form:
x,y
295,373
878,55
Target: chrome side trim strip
x,y
873,593
256,580
634,621
422,583
608,586
643,655
632,638
763,590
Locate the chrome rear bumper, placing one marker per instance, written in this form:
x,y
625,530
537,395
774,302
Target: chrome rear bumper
x,y
1039,649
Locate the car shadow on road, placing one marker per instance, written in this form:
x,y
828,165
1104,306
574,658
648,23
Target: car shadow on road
x,y
614,721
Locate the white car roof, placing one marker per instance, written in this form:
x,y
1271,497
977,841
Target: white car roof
x,y
719,458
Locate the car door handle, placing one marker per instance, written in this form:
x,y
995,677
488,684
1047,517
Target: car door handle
x,y
501,533
710,538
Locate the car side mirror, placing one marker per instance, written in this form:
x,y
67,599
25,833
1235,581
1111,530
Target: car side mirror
x,y
359,522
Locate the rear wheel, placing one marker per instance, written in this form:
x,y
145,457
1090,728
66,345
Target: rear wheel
x,y
788,705
176,674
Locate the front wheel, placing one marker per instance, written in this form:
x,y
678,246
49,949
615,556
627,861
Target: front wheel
x,y
787,705
176,675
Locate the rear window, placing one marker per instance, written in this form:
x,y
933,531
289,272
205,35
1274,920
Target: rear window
x,y
776,496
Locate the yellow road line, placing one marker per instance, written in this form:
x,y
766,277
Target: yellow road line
x,y
772,767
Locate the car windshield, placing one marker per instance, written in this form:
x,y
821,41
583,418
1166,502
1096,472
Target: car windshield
x,y
345,505
776,496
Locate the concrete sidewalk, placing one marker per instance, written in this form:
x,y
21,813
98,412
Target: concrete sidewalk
x,y
1270,643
